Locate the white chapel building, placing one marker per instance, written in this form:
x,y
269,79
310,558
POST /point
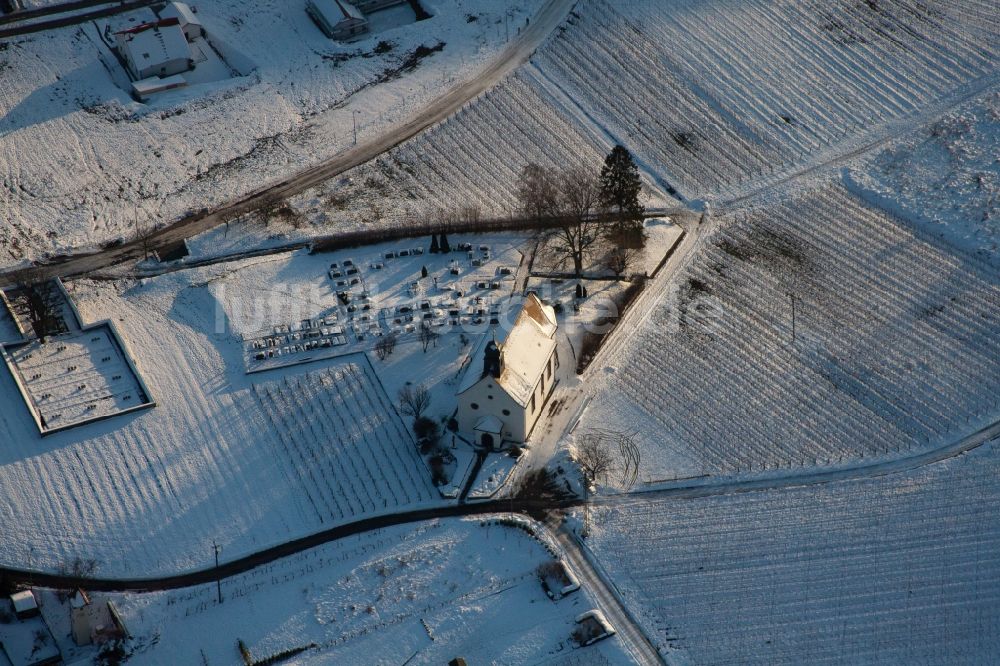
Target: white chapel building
x,y
508,380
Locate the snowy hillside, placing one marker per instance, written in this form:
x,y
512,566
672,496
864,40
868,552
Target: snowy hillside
x,y
711,94
895,346
221,457
946,178
80,160
893,569
708,96
471,161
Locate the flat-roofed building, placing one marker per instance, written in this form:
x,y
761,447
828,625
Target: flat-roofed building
x,y
158,49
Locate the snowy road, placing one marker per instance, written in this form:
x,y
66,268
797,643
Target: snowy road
x,y
517,53
708,486
72,19
573,393
628,631
688,489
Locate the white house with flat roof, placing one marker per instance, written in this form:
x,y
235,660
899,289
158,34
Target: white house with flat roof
x,y
508,380
155,49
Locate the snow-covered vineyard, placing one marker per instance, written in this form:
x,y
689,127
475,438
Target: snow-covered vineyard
x,y
894,350
707,97
715,94
345,446
894,569
220,458
476,156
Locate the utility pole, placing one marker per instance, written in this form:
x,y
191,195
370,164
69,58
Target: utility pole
x,y
354,117
218,579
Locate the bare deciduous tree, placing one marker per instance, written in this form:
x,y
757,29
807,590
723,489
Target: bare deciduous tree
x,y
579,230
414,400
276,207
143,233
385,346
593,456
30,299
621,259
427,335
537,193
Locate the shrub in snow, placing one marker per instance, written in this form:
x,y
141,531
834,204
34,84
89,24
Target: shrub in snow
x,y
438,473
427,431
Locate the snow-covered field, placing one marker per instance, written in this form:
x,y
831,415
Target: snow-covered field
x,y
420,594
946,178
707,95
893,569
245,460
80,160
470,162
895,347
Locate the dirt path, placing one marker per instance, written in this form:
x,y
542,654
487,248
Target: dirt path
x,y
517,53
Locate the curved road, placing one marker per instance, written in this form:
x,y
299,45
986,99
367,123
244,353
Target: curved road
x,y
514,55
248,562
688,489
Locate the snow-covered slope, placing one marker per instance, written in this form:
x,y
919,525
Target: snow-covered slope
x,y
895,345
894,569
416,594
715,93
245,460
80,160
709,96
